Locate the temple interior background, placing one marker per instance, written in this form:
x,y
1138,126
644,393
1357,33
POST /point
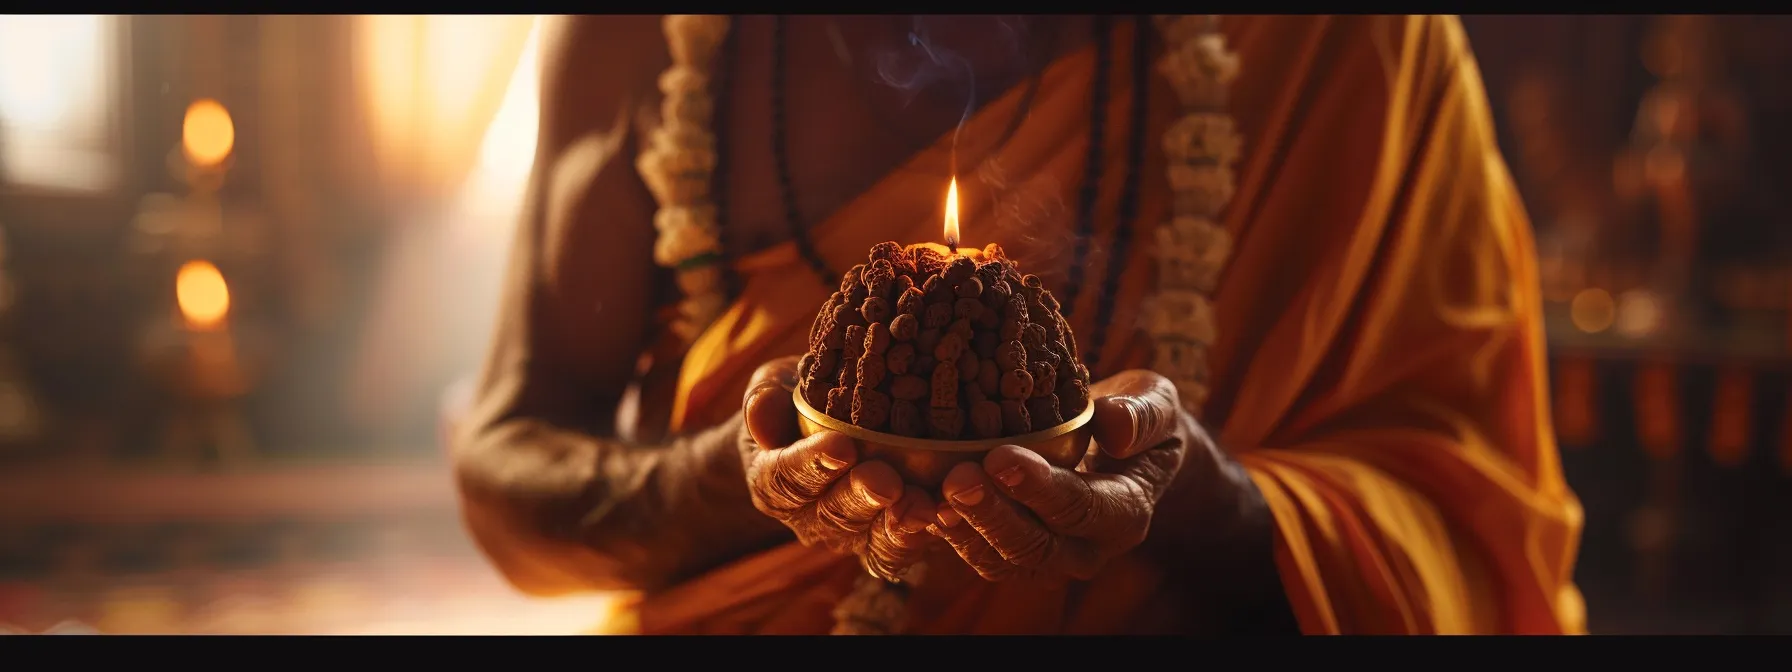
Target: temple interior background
x,y
249,262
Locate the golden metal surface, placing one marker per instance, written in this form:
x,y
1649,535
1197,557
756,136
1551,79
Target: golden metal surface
x,y
924,462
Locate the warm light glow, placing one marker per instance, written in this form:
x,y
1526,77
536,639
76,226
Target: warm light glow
x,y
1593,310
952,215
207,135
58,91
1639,314
203,296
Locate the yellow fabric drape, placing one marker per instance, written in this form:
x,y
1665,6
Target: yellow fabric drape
x,y
1380,369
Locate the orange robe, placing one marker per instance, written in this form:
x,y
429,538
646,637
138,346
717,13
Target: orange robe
x,y
1380,369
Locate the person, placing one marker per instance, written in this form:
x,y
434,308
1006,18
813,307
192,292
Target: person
x,y
1373,454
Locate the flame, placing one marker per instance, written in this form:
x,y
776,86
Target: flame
x,y
203,296
207,135
952,215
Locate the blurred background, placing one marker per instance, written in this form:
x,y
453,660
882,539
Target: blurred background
x,y
248,261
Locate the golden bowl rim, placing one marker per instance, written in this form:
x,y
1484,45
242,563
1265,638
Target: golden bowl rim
x,y
829,423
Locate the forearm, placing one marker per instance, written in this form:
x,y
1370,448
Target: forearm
x,y
559,510
1217,534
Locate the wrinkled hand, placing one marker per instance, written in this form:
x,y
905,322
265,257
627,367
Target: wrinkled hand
x,y
817,487
1017,516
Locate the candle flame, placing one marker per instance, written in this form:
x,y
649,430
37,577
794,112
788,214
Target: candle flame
x,y
952,215
202,294
207,134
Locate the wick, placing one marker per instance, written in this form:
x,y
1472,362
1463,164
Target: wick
x,y
951,244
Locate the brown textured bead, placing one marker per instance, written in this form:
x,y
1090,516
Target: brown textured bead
x,y
963,329
985,344
870,408
852,277
805,365
949,348
849,375
945,423
994,252
1017,384
1015,418
928,261
899,358
1033,336
989,272
1041,353
1011,356
825,364
835,337
904,327
987,319
968,365
856,295
848,315
1045,378
1010,329
970,288
878,278
937,315
1048,301
959,270
888,250
989,377
996,295
986,419
839,405
905,419
908,388
970,394
875,309
872,369
901,286
911,302
816,394
1045,411
1051,331
931,284
923,365
927,338
823,319
1016,309
1073,396
944,392
854,344
967,309
877,339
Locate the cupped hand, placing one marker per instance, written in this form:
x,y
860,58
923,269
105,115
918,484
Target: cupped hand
x,y
1017,516
817,487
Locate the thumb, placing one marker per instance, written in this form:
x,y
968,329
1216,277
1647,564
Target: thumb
x,y
1134,411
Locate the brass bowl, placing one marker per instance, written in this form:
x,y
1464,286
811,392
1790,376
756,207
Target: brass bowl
x,y
925,462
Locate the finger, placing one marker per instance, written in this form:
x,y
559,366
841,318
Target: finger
x,y
1010,528
1156,468
971,546
852,504
1059,498
1134,411
785,480
770,411
900,539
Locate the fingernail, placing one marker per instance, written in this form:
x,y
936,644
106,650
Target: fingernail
x,y
935,531
1010,476
949,518
912,525
970,496
876,499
